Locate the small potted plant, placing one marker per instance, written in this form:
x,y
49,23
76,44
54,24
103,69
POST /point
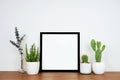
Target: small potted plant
x,y
85,66
32,60
98,66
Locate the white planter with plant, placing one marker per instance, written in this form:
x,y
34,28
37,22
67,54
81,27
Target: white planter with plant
x,y
98,67
85,66
32,60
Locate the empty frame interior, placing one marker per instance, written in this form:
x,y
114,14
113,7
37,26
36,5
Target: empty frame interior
x,y
59,51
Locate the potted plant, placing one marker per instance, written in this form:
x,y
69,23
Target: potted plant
x,y
32,60
98,66
18,44
85,66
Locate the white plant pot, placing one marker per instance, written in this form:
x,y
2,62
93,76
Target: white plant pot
x,y
98,67
85,68
32,68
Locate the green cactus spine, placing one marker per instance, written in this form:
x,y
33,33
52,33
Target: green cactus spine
x,y
98,49
84,59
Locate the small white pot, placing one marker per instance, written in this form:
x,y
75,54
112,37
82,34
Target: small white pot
x,y
98,67
85,68
32,68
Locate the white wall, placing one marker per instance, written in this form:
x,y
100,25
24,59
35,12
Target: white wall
x,y
98,19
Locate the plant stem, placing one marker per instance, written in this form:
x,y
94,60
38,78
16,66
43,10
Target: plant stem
x,y
21,64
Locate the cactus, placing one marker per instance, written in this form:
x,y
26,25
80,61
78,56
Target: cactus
x,y
98,48
84,59
33,55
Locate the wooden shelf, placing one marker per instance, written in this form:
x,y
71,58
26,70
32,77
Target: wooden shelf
x,y
5,75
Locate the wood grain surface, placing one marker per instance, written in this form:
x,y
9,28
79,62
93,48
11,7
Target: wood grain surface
x,y
4,75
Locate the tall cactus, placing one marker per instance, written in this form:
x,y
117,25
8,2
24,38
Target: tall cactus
x,y
84,59
98,49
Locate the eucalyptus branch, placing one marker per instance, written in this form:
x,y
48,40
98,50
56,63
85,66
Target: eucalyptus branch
x,y
18,42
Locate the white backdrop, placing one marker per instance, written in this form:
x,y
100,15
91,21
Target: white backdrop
x,y
98,19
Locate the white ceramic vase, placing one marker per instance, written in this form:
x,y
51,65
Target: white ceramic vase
x,y
32,68
98,67
85,68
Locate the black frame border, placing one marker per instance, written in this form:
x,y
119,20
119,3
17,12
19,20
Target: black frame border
x,y
78,36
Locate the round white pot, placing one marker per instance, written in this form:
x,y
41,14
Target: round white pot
x,y
98,67
32,68
85,68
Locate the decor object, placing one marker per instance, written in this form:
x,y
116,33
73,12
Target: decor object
x,y
60,51
85,66
18,46
32,60
98,66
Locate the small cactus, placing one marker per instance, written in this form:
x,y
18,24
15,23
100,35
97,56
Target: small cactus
x,y
98,48
84,59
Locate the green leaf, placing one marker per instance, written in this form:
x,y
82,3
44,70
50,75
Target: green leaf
x,y
27,54
15,44
22,38
17,35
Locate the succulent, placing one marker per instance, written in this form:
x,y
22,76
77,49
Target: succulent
x,y
98,48
84,59
33,54
19,39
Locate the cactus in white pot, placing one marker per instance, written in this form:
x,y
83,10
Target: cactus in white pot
x,y
85,66
32,60
98,66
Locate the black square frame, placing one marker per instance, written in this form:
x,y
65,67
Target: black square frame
x,y
78,46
